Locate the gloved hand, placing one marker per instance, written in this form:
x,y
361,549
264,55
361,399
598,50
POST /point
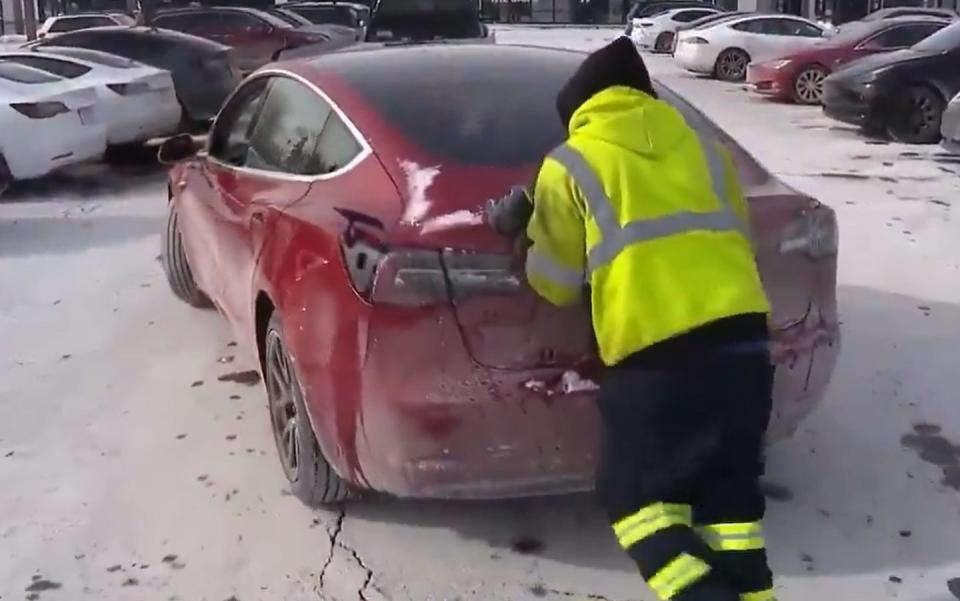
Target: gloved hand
x,y
509,215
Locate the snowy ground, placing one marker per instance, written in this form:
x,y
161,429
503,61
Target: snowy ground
x,y
129,471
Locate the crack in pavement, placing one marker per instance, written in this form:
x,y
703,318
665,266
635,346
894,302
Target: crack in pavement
x,y
336,543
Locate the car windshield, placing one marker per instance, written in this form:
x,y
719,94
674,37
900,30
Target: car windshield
x,y
946,39
91,56
22,74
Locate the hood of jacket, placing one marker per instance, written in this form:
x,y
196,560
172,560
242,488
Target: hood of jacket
x,y
630,119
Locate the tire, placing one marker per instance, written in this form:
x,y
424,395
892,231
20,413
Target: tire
x,y
732,65
177,268
663,41
914,116
808,85
311,478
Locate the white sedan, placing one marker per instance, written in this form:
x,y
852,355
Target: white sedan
x,y
137,102
726,48
47,122
656,32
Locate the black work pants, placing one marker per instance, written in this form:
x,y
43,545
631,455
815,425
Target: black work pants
x,y
680,469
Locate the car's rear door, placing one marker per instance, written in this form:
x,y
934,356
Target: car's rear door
x,y
200,201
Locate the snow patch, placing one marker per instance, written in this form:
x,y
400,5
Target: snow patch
x,y
419,180
572,382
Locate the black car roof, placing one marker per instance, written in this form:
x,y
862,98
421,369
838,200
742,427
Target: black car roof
x,y
141,30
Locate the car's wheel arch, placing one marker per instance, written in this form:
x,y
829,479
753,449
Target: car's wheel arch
x,y
887,100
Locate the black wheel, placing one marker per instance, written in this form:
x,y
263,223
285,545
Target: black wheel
x,y
732,65
663,42
175,265
808,85
915,116
311,478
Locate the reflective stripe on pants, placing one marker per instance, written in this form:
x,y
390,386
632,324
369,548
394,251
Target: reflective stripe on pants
x,y
678,575
767,595
650,520
614,237
746,536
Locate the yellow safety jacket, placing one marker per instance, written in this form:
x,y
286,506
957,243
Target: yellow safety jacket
x,y
647,214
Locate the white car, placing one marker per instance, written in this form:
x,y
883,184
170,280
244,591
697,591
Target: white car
x,y
724,49
137,102
47,122
64,23
656,32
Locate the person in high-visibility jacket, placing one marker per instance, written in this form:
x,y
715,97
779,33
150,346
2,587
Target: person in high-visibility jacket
x,y
647,215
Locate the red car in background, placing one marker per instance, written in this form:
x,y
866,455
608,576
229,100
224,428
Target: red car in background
x,y
335,219
799,76
257,37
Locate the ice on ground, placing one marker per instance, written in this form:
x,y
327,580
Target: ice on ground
x,y
572,382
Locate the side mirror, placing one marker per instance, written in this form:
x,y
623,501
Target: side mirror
x,y
178,148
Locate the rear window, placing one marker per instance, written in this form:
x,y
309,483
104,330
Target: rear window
x,y
22,74
91,56
67,69
495,116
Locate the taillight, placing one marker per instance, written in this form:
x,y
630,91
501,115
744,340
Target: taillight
x,y
129,89
815,233
646,23
420,278
40,110
694,40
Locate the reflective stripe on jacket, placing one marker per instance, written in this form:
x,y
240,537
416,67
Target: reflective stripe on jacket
x,y
651,217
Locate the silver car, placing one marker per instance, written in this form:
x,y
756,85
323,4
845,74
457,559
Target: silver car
x,y
950,126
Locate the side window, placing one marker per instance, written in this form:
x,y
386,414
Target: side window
x,y
230,138
753,26
75,23
793,27
235,22
902,36
690,15
337,145
80,39
299,133
50,65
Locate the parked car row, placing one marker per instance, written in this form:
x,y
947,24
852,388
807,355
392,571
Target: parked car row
x,y
891,73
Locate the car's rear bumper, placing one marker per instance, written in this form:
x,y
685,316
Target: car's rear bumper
x,y
768,81
698,58
75,142
479,433
950,128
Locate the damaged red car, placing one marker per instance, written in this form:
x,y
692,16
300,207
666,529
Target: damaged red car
x,y
334,218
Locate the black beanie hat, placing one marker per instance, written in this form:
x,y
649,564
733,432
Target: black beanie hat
x,y
616,64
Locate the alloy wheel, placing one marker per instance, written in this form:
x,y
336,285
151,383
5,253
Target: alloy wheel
x,y
282,391
917,118
733,65
808,87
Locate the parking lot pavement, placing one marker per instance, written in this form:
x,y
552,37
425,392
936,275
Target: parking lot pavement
x,y
129,470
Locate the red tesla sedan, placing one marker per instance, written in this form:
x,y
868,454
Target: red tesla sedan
x,y
799,76
334,220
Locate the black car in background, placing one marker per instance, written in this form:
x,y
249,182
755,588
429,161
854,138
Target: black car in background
x,y
348,14
423,20
901,94
202,72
